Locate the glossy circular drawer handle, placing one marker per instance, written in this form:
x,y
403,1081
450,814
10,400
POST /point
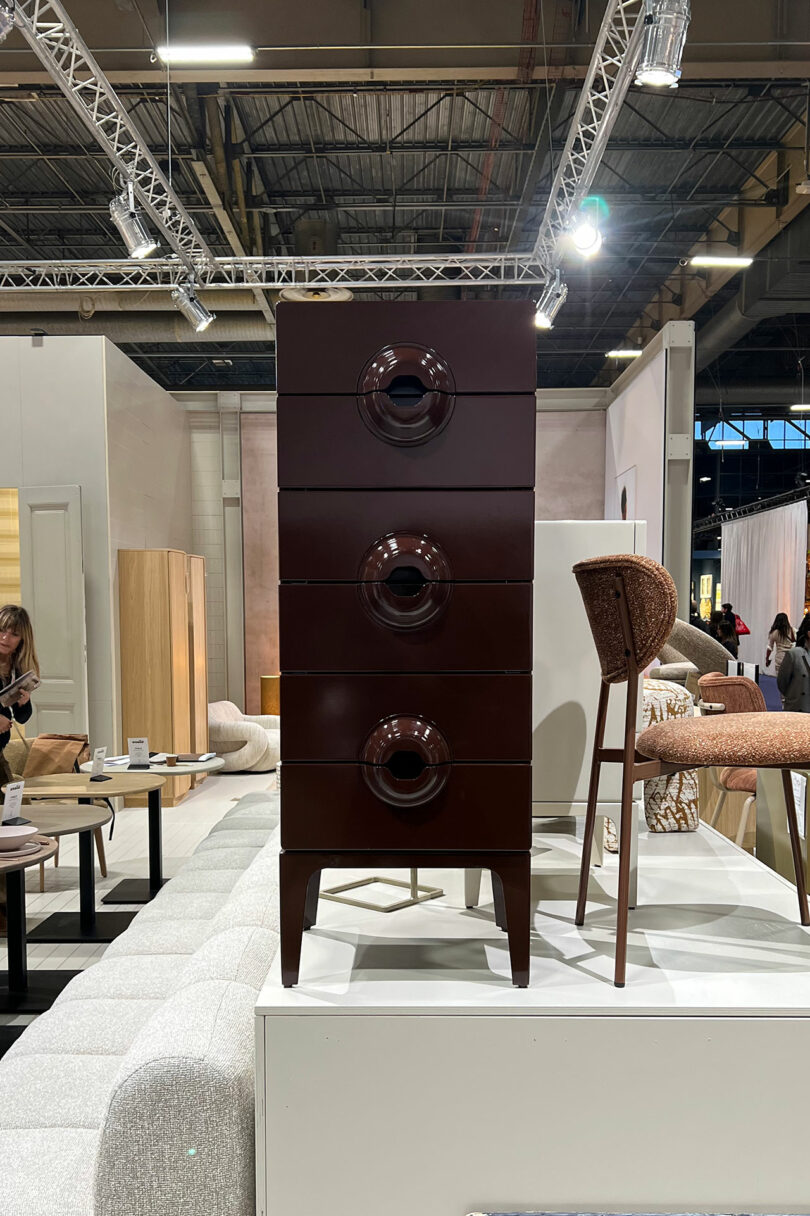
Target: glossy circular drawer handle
x,y
406,761
404,580
406,394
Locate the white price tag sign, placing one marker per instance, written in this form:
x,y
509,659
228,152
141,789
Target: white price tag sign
x,y
138,752
99,756
13,802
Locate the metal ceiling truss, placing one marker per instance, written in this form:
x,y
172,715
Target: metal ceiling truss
x,y
496,270
609,77
51,34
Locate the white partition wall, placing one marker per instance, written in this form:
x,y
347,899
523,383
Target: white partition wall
x,y
566,676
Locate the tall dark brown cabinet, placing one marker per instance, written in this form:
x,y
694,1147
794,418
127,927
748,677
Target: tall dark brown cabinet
x,y
406,439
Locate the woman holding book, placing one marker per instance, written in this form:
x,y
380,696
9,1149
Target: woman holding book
x,y
17,657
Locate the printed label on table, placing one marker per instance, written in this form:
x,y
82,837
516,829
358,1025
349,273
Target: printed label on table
x,y
99,756
13,802
138,752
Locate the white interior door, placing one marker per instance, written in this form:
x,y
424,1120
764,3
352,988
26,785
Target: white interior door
x,y
52,583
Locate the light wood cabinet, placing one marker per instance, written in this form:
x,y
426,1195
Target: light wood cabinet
x,y
164,662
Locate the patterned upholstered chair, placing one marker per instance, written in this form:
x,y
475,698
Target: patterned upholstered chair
x,y
630,603
733,695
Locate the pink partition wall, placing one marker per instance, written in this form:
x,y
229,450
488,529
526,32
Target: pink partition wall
x,y
260,542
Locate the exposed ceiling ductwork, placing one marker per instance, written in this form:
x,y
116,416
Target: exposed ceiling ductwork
x,y
143,327
776,285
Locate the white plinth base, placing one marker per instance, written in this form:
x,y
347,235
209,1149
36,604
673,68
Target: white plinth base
x,y
406,1077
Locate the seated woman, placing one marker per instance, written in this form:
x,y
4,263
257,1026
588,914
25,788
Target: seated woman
x,y
17,656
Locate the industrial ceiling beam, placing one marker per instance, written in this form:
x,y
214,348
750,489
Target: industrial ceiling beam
x,y
51,34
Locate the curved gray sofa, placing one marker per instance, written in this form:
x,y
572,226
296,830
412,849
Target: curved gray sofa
x,y
690,651
134,1094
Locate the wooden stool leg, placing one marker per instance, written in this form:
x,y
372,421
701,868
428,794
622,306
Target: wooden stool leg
x,y
499,902
98,836
295,870
41,877
311,906
514,873
56,855
472,888
796,847
625,832
593,794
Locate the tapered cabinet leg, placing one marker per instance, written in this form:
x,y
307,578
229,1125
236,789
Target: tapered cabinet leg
x,y
295,870
514,875
498,901
796,846
311,906
593,795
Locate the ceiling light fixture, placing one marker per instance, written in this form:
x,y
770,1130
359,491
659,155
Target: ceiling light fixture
x,y
129,221
799,408
705,479
586,238
665,26
730,443
192,308
720,259
177,54
552,298
623,353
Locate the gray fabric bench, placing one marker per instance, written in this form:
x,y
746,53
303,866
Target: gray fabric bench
x,y
133,1094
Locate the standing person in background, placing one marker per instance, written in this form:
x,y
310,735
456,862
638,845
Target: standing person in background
x,y
793,680
695,619
17,656
728,613
781,639
727,637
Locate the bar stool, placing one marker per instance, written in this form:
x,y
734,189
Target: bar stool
x,y
630,603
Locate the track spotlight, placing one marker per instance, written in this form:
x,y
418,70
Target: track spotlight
x,y
6,18
665,25
129,221
553,297
192,309
586,238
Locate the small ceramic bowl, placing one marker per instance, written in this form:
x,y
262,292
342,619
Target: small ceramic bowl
x,y
12,838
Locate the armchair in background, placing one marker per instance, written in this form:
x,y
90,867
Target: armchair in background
x,y
246,743
687,654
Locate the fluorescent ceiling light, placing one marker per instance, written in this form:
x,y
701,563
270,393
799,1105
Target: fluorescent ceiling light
x,y
586,238
797,409
628,353
213,52
705,479
730,443
551,300
665,25
192,309
719,259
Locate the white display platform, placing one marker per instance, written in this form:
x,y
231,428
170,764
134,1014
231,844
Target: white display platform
x,y
405,1075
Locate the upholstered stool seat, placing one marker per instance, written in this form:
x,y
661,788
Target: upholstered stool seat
x,y
739,780
759,740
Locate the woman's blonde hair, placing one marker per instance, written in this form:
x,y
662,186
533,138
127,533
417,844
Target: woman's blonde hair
x,y
16,620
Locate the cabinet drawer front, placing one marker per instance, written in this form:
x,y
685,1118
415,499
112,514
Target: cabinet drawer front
x,y
481,627
487,345
481,806
323,442
483,717
486,535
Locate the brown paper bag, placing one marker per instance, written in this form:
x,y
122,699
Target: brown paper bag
x,y
56,754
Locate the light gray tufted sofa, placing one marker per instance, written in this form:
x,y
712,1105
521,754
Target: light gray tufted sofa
x,y
133,1095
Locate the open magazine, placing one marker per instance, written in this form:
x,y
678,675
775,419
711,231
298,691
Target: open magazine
x,y
10,695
